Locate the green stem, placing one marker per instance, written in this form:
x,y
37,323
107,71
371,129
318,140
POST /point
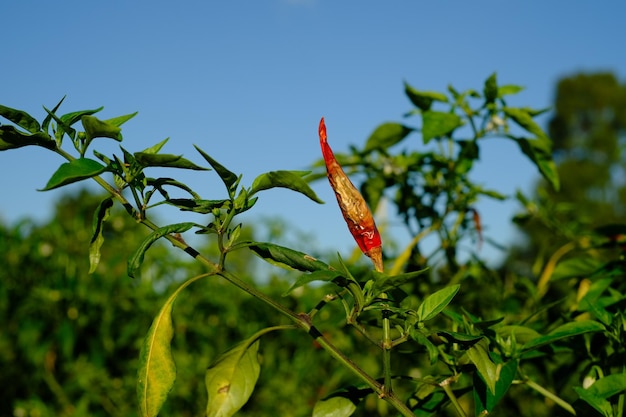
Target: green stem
x,y
386,345
558,400
445,384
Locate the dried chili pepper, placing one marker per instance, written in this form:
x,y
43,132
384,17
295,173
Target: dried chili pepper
x,y
352,204
477,226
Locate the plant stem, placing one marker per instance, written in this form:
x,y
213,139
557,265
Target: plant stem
x,y
558,400
445,384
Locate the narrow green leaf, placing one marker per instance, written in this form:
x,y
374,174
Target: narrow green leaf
x,y
228,177
62,127
231,379
567,330
70,118
423,99
97,239
74,171
383,282
489,371
20,118
436,302
289,258
609,385
525,120
165,160
48,119
135,261
490,89
12,138
157,370
509,89
436,124
322,275
538,151
197,205
601,405
156,148
422,339
120,120
386,135
283,179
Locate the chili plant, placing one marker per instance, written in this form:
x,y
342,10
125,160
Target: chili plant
x,y
429,355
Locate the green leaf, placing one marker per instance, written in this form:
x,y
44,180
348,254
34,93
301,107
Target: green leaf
x,y
538,151
609,386
135,261
423,99
120,120
289,258
322,275
490,89
20,118
521,334
70,118
509,89
581,266
489,371
231,379
386,135
48,119
95,128
97,239
422,339
436,124
74,171
383,282
12,138
197,205
283,179
525,120
601,405
156,148
228,177
147,159
484,399
564,331
341,403
157,370
436,302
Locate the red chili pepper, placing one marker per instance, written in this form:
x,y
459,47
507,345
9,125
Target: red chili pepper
x,y
352,204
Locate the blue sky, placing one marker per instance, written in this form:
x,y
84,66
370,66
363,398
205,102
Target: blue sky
x,y
248,81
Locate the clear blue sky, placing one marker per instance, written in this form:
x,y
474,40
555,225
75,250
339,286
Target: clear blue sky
x,y
248,81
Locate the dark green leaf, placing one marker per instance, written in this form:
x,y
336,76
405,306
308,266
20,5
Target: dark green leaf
x,y
436,302
48,119
461,338
582,266
484,399
521,334
228,177
490,89
135,261
567,330
422,339
525,120
165,160
383,283
340,403
198,206
436,124
386,135
423,99
283,179
20,118
157,370
538,151
74,171
231,379
601,405
97,239
12,138
609,385
285,257
62,127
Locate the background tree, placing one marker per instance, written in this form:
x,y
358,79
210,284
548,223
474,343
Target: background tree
x,y
588,129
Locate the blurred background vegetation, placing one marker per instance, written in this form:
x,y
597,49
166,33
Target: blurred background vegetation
x,y
69,341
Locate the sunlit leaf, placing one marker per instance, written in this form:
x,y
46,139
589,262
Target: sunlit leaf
x,y
386,135
148,159
484,399
564,331
74,171
285,257
157,370
436,124
436,302
229,178
231,379
478,353
95,128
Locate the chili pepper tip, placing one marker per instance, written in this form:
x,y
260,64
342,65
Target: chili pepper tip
x,y
322,130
